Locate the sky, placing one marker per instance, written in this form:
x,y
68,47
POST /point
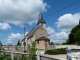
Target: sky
x,y
60,16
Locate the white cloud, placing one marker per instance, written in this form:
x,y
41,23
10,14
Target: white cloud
x,y
65,23
19,12
16,36
57,37
50,30
4,26
68,21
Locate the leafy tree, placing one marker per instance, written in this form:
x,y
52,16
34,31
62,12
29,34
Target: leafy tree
x,y
71,39
0,43
77,37
18,44
51,43
32,52
23,57
5,57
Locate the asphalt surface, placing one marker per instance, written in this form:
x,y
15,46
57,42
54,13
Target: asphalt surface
x,y
53,57
46,58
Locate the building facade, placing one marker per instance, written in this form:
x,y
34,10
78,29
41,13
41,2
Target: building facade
x,y
38,34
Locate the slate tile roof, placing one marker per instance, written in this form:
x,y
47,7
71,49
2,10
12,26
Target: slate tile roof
x,y
32,32
41,20
42,38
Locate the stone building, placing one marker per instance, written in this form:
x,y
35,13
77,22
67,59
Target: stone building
x,y
39,35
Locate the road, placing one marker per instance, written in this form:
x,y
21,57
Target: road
x,y
53,57
45,58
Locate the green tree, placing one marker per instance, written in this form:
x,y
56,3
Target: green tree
x,y
18,44
5,57
32,52
71,39
77,37
0,43
51,43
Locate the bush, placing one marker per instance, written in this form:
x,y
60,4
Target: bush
x,y
23,57
56,51
5,57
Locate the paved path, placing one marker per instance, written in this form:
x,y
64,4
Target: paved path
x,y
59,57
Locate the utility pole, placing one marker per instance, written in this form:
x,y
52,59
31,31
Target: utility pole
x,y
24,41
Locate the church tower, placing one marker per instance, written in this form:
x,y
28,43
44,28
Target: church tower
x,y
41,21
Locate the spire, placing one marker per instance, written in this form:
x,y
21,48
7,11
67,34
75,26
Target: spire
x,y
41,20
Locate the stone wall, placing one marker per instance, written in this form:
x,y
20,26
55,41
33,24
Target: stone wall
x,y
41,31
60,46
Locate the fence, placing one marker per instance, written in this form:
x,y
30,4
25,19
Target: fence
x,y
16,48
20,54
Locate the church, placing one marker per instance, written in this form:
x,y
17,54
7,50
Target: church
x,y
38,34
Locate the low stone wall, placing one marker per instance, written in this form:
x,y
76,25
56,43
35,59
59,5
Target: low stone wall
x,y
63,46
60,46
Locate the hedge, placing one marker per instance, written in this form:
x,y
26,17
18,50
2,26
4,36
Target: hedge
x,y
56,51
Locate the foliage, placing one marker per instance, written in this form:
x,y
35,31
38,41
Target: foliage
x,y
51,43
0,43
18,44
71,39
5,57
8,57
32,52
1,49
77,37
23,57
56,51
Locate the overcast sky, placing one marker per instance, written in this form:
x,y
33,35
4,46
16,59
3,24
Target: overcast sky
x,y
15,14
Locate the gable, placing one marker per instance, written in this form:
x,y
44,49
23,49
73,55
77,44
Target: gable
x,y
39,32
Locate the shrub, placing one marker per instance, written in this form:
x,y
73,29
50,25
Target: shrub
x,y
56,51
5,57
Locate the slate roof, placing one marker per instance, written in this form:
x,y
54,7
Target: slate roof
x,y
31,33
42,38
41,20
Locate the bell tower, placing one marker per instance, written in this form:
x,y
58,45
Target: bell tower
x,y
41,21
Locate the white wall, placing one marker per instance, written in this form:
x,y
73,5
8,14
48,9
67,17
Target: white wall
x,y
63,46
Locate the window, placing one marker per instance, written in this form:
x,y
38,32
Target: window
x,y
37,42
45,42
